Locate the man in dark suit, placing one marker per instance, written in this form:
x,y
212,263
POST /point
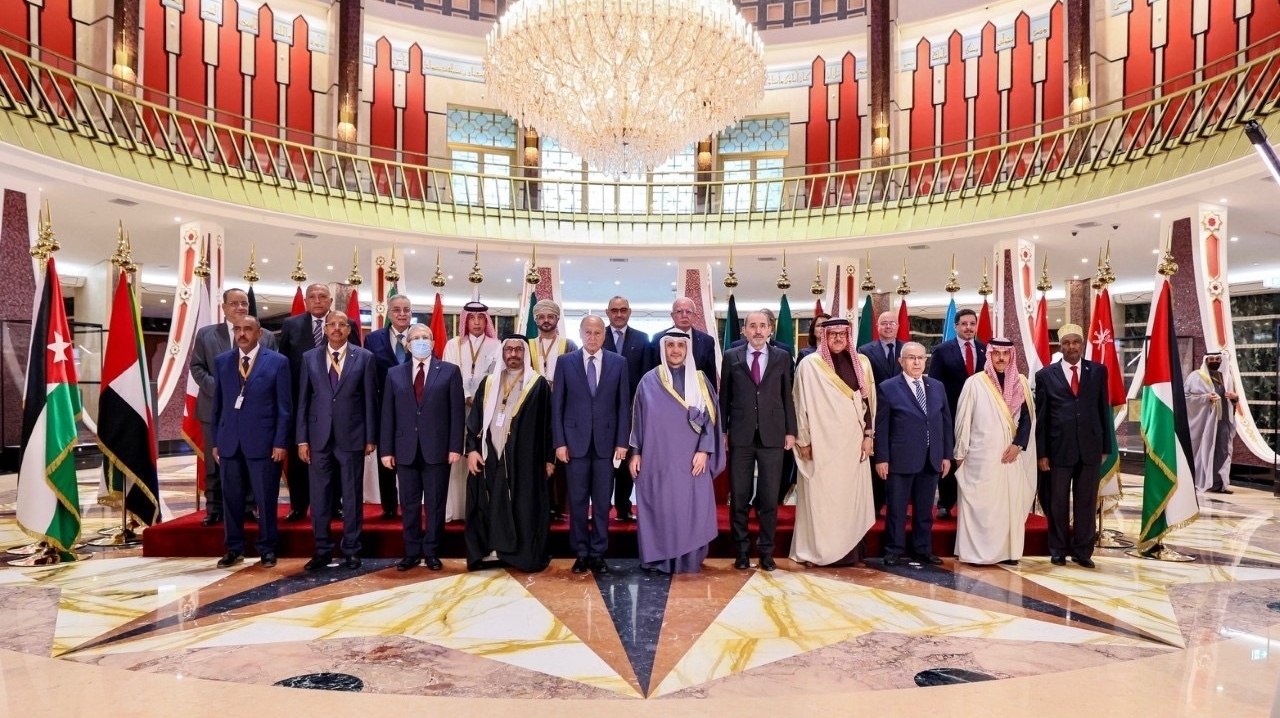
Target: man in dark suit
x,y
1071,445
773,342
390,348
209,343
883,354
591,429
952,363
914,440
337,426
423,410
252,418
759,416
683,312
299,335
633,345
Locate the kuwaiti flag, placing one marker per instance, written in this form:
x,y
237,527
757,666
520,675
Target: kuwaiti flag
x,y
1168,491
126,413
1102,349
48,499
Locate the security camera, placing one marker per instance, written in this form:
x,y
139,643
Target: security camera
x,y
1075,232
1115,226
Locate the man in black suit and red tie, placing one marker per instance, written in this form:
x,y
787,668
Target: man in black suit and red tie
x,y
952,363
390,348
1072,443
633,345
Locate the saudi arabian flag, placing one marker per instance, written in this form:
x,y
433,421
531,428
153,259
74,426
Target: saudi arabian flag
x,y
48,499
530,326
387,321
1168,492
785,332
866,324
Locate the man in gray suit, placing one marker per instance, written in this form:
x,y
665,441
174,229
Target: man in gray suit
x,y
211,341
759,417
336,428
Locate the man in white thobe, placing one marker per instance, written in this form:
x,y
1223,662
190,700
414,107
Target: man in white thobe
x,y
995,428
1211,411
476,352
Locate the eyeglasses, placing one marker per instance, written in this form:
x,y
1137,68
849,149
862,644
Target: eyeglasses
x,y
913,357
683,311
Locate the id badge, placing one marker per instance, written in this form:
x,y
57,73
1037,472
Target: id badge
x,y
239,401
499,420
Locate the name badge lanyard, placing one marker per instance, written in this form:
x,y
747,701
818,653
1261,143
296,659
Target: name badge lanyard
x,y
245,371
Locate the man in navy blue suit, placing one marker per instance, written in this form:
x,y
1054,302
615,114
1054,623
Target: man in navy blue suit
x,y
421,435
390,348
252,418
914,440
952,363
591,429
633,345
883,354
337,426
683,312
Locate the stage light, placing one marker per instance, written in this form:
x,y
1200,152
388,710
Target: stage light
x,y
1258,137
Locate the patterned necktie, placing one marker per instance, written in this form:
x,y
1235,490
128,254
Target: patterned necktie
x,y
755,367
1075,379
591,374
968,358
317,331
400,349
419,382
333,372
924,406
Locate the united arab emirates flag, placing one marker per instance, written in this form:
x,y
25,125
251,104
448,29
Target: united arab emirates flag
x,y
48,499
126,413
1168,492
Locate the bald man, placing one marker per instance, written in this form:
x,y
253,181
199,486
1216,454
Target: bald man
x,y
683,315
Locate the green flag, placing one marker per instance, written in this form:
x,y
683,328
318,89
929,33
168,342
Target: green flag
x,y
785,333
865,323
731,329
390,294
530,326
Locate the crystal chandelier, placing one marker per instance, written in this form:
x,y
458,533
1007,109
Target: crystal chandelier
x,y
625,84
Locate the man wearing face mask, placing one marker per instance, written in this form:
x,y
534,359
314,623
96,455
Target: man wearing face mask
x,y
1211,410
421,435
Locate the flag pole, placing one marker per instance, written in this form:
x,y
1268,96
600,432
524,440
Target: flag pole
x,y
1107,538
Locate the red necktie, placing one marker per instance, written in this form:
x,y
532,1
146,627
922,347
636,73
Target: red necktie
x,y
1075,380
419,381
968,358
755,367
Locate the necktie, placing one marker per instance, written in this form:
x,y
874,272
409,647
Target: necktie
x,y
617,340
419,381
591,374
244,370
1075,379
399,348
888,352
317,331
755,367
333,372
924,406
968,357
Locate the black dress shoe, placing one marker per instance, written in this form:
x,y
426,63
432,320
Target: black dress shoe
x,y
580,566
230,559
1058,561
892,559
1084,562
268,559
929,558
388,515
627,518
1221,490
294,516
316,563
433,563
1009,562
599,566
251,517
211,520
943,514
743,562
766,562
408,562
352,563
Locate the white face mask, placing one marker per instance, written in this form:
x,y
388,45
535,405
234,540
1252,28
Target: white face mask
x,y
421,348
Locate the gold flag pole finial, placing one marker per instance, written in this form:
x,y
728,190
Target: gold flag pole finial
x,y
903,288
437,279
868,282
1108,276
298,274
130,266
354,279
984,289
1167,266
730,280
1097,284
202,269
45,243
476,276
120,259
251,272
532,277
816,289
784,282
1045,284
392,274
953,284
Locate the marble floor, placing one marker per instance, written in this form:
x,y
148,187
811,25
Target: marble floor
x,y
1132,636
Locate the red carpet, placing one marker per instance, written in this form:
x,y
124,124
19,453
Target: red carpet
x,y
186,537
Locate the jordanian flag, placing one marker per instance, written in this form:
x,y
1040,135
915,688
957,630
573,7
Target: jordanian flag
x,y
1102,349
1168,492
126,413
48,500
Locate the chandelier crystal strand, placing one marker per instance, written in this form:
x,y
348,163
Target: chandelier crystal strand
x,y
625,84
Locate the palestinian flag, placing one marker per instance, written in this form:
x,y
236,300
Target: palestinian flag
x,y
731,328
866,323
785,332
1168,491
48,498
1102,349
126,413
984,323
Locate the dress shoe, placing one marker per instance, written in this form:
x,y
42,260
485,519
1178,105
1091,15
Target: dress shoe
x,y
943,514
599,566
433,563
211,520
352,563
892,559
408,562
251,516
743,562
316,563
388,514
1058,561
929,558
627,518
294,516
1221,490
1009,562
766,562
230,559
268,559
580,566
1084,562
